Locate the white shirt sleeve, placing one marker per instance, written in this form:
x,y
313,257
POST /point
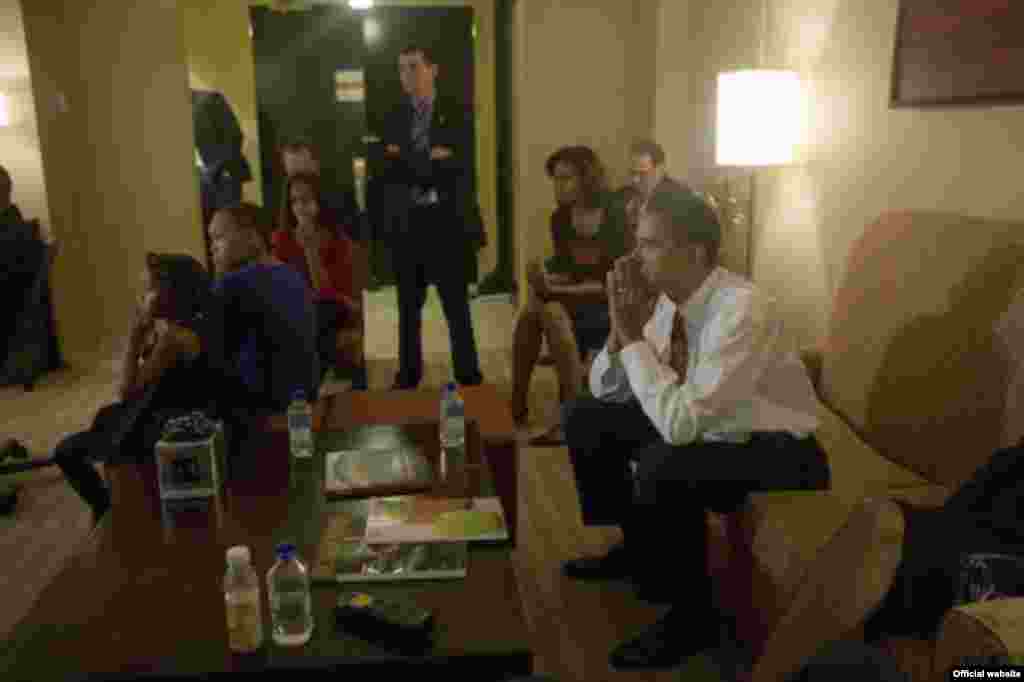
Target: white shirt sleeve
x,y
721,381
608,380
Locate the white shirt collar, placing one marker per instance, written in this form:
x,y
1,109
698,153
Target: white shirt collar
x,y
696,306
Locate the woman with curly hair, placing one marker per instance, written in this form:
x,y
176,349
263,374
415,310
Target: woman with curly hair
x,y
566,302
165,367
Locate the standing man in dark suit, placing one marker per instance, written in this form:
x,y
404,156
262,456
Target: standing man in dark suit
x,y
427,162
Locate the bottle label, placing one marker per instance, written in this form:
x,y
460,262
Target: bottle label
x,y
245,631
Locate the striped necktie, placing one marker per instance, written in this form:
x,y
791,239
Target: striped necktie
x,y
677,354
421,126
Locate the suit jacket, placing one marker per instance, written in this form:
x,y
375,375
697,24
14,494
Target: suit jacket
x,y
452,178
218,136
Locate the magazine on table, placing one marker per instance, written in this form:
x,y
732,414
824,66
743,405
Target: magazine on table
x,y
356,562
368,472
419,518
343,556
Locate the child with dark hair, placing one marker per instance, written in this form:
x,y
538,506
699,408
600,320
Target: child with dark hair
x,y
165,367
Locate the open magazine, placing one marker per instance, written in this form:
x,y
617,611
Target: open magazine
x,y
423,519
343,556
359,562
368,472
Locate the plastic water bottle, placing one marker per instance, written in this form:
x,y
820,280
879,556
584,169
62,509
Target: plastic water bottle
x,y
300,426
453,418
242,599
291,609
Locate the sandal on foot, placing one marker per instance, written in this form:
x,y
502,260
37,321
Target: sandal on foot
x,y
519,418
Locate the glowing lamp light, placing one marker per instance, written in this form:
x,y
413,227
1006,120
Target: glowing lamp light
x,y
360,4
758,117
5,110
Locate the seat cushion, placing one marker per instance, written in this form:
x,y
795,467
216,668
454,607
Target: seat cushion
x,y
857,469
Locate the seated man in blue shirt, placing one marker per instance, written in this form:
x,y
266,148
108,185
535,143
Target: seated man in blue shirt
x,y
269,328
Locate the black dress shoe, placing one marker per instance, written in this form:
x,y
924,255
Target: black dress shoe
x,y
615,564
676,636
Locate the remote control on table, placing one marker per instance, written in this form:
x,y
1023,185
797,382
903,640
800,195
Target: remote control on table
x,y
386,618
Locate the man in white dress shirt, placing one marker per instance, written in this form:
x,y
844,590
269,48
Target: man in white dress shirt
x,y
697,402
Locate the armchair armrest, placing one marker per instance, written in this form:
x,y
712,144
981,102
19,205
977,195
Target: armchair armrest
x,y
980,630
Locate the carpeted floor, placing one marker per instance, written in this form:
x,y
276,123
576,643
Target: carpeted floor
x,y
574,624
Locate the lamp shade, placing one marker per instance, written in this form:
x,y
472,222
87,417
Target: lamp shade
x,y
5,110
758,120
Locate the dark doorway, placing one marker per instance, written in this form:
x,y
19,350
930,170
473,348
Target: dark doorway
x,y
502,278
296,58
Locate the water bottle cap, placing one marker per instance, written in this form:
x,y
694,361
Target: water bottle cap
x,y
298,394
450,386
285,550
239,555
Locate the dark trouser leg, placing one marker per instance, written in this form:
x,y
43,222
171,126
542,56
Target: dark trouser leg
x,y
675,486
329,316
601,436
455,301
74,455
934,540
412,292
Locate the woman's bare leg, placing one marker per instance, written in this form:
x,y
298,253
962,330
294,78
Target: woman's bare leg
x,y
562,341
526,342
842,585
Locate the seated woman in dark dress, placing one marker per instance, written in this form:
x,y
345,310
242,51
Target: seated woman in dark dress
x,y
567,302
309,239
165,371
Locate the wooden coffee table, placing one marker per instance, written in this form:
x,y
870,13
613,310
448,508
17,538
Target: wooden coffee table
x,y
146,595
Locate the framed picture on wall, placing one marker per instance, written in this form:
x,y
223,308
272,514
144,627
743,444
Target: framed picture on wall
x,y
958,52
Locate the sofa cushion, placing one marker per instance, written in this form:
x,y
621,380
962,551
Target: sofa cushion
x,y
857,469
786,529
912,359
785,532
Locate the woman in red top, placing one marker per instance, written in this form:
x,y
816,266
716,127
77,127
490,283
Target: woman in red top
x,y
309,239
